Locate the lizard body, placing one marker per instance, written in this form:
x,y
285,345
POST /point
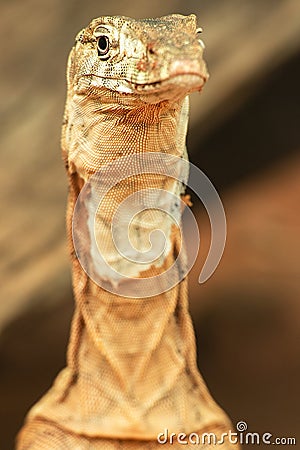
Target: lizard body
x,y
131,367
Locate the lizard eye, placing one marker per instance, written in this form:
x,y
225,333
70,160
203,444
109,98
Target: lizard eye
x,y
103,45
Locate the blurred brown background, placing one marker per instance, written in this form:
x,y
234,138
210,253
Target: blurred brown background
x,y
244,134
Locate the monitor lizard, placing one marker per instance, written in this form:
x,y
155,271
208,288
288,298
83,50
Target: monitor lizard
x,y
131,369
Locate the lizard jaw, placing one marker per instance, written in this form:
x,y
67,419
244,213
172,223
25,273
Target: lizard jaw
x,y
173,88
186,81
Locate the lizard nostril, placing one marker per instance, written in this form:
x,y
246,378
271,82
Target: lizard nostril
x,y
151,49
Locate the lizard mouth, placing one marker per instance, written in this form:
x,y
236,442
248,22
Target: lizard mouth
x,y
174,87
170,89
185,75
184,80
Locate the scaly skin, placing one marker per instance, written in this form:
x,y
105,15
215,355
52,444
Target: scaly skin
x,y
131,370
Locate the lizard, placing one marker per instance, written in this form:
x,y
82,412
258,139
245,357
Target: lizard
x,y
131,368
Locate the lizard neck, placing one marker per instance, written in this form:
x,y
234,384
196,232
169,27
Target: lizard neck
x,y
135,357
127,339
143,326
96,134
140,354
105,134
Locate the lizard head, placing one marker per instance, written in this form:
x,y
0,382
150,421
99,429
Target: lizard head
x,y
151,59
